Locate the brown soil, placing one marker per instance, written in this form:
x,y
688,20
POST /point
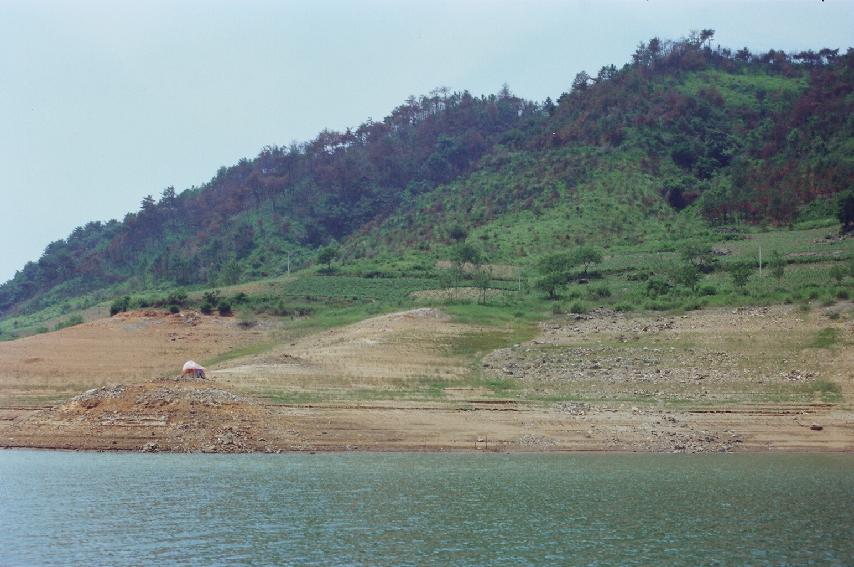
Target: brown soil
x,y
723,388
381,356
130,347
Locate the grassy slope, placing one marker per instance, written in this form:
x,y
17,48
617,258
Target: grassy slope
x,y
520,204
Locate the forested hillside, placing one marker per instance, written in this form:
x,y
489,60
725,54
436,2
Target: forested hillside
x,y
684,135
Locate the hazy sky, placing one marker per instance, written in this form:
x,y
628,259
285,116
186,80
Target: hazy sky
x,y
104,102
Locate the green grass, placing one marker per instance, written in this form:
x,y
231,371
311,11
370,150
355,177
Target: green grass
x,y
425,388
825,389
826,338
478,343
307,302
743,90
70,322
240,352
356,288
528,310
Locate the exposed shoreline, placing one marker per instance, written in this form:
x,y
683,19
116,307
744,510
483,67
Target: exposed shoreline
x,y
192,417
747,380
453,451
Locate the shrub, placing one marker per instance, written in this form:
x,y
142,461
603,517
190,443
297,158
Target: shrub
x,y
655,306
457,233
686,274
281,309
211,297
224,308
178,298
699,255
838,273
174,309
623,307
657,286
550,284
120,305
640,276
326,256
600,291
577,308
740,274
70,322
777,265
842,293
708,289
206,308
246,319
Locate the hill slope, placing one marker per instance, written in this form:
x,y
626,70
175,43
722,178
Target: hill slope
x,y
681,138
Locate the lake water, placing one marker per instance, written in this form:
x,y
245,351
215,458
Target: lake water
x,y
425,509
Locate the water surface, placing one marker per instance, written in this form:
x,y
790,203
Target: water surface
x,y
425,509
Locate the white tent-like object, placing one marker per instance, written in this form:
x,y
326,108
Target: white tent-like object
x,y
193,368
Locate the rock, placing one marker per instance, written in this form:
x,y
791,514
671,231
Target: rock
x,y
816,427
150,447
536,441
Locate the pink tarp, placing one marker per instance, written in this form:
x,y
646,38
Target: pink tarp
x,y
191,365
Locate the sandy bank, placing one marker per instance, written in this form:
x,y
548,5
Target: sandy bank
x,y
752,379
201,417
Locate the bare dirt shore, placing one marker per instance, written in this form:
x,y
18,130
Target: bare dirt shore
x,y
758,379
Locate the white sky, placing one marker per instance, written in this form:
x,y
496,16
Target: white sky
x,y
103,102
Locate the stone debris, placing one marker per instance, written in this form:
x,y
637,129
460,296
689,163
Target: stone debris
x,y
92,398
574,408
532,441
423,313
650,358
798,376
204,396
132,420
230,439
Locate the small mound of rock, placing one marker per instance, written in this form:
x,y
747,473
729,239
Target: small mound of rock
x,y
93,397
424,313
213,396
205,396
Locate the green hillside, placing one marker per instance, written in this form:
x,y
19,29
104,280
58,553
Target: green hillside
x,y
684,148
